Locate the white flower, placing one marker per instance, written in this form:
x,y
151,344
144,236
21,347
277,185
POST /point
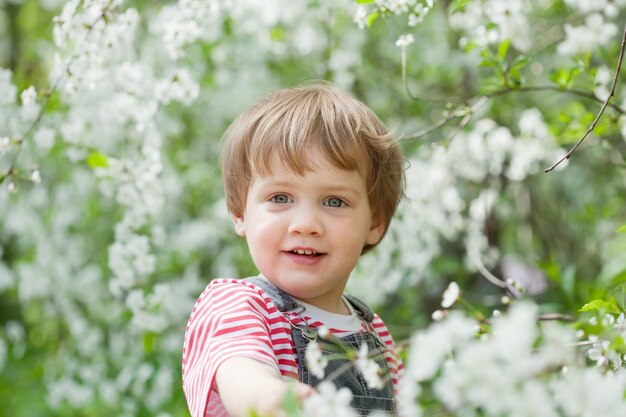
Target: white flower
x,y
5,145
315,360
598,351
437,315
586,392
8,91
408,405
396,6
329,402
415,19
603,76
405,40
360,17
30,108
324,332
28,96
35,177
450,295
586,37
368,368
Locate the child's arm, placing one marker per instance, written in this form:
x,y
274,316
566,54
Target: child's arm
x,y
246,384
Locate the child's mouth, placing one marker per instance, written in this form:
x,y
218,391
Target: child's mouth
x,y
305,252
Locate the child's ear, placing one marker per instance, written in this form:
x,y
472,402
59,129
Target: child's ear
x,y
376,232
240,228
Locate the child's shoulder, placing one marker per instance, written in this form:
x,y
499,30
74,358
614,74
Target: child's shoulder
x,y
234,291
231,286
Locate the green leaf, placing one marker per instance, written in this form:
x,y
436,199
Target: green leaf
x,y
582,60
520,62
149,342
613,272
277,33
622,229
601,306
487,63
516,76
458,5
503,48
97,160
568,280
560,77
372,18
364,1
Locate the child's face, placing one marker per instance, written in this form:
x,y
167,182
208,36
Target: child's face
x,y
306,233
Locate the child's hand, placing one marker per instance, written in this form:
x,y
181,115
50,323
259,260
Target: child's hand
x,y
245,384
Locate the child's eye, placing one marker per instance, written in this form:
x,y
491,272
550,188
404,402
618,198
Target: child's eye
x,y
335,202
280,199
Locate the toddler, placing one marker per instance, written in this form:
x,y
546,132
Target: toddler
x,y
312,179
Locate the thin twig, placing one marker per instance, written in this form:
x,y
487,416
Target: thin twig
x,y
466,111
440,123
10,171
405,81
602,109
485,272
503,91
555,317
535,88
34,123
468,116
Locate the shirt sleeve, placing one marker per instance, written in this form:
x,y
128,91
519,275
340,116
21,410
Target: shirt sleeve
x,y
396,367
230,319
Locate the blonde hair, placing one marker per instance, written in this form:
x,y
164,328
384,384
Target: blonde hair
x,y
292,123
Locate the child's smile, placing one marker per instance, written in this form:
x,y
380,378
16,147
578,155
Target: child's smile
x,y
304,256
306,233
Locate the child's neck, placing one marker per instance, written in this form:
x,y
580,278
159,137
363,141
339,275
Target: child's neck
x,y
338,307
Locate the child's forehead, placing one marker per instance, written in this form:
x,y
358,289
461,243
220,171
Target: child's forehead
x,y
314,161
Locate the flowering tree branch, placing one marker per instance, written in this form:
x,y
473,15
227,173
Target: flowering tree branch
x,y
602,109
11,170
471,105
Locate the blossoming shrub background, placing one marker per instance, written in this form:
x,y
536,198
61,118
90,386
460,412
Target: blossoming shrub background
x,y
112,219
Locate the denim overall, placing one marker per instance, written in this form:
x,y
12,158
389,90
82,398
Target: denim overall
x,y
364,398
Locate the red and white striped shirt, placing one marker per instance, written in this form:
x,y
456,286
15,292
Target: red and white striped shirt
x,y
235,318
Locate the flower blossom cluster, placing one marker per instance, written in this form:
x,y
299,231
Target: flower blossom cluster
x,y
597,28
441,209
415,9
487,22
610,8
583,38
506,371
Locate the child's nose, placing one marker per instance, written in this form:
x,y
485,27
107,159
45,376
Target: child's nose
x,y
306,221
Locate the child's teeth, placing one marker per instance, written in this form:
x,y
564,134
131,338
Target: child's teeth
x,y
304,252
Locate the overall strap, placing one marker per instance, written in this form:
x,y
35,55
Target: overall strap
x,y
281,299
360,307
